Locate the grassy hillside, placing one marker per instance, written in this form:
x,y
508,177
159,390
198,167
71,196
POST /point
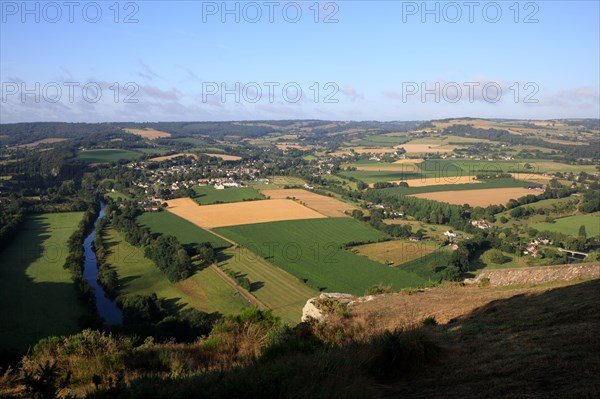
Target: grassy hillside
x,y
187,233
524,342
570,225
104,155
138,275
311,250
37,296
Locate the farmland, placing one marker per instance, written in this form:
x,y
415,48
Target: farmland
x,y
148,133
173,156
473,186
210,216
103,155
187,233
283,293
224,157
327,206
207,195
138,275
37,295
481,198
311,250
50,140
395,253
570,225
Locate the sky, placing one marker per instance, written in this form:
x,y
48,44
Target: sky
x,y
148,61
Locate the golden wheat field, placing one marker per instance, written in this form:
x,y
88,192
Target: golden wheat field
x,y
483,197
167,157
50,140
248,212
327,206
224,157
148,133
433,181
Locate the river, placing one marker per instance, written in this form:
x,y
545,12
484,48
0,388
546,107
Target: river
x,y
107,308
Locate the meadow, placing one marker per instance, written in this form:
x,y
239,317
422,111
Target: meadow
x,y
206,195
311,250
187,233
283,293
104,155
395,252
37,295
570,225
138,275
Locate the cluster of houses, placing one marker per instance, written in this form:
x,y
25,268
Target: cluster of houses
x,y
532,247
480,224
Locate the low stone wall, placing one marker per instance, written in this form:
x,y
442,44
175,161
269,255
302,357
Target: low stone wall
x,y
541,274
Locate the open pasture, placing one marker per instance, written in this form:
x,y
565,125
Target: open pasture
x,y
327,206
283,293
148,133
206,195
395,252
138,275
249,212
311,250
295,146
571,224
104,155
423,148
37,296
186,232
483,198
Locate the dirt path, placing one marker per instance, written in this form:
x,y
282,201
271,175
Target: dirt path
x,y
249,297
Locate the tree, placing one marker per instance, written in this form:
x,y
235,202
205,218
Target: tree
x,y
497,256
582,232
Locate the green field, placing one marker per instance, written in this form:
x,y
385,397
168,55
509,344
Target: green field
x,y
187,233
104,155
207,195
311,250
381,140
117,195
138,275
570,225
37,296
283,293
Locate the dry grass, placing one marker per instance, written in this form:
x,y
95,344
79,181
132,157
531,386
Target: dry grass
x,y
415,161
481,198
327,206
364,150
394,253
43,141
421,148
436,181
566,142
286,146
221,215
148,133
167,157
224,157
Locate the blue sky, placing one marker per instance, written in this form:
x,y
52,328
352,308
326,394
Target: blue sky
x,y
373,60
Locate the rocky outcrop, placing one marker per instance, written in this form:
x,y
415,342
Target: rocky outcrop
x,y
539,275
327,303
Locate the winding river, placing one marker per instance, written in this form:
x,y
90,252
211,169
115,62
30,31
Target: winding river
x,y
107,308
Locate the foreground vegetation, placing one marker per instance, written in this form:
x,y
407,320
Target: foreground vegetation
x,y
522,339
